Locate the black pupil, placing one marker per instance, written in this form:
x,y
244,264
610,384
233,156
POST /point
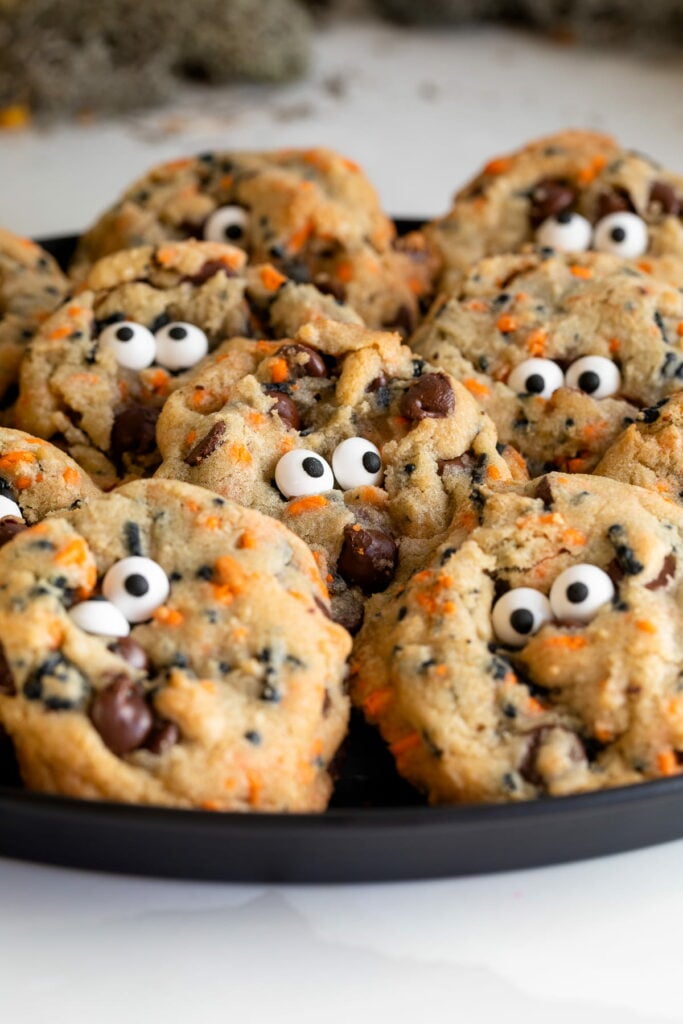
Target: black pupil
x,y
564,217
618,234
125,333
589,381
577,592
372,462
136,585
522,620
535,384
313,467
177,333
233,231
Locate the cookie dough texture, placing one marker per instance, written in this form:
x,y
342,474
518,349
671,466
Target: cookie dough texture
x,y
500,209
31,287
312,213
71,56
228,428
73,389
237,679
649,453
579,707
539,304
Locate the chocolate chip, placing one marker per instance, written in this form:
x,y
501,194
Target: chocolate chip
x,y
529,769
134,432
208,444
162,737
429,397
6,678
663,196
548,198
666,573
368,558
132,652
9,528
466,461
616,201
544,492
312,366
121,716
285,407
327,286
208,270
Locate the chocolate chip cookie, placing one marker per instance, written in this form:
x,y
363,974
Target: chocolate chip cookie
x,y
561,351
649,453
571,192
345,435
163,646
312,213
31,287
99,370
540,651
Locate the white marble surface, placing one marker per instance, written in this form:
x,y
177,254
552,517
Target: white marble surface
x,y
597,942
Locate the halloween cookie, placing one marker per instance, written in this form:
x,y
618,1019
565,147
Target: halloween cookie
x,y
343,434
649,452
540,652
31,287
312,213
561,351
163,646
100,369
573,191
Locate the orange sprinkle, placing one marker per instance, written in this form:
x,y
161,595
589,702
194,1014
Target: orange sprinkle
x,y
585,273
307,504
615,344
298,239
210,522
377,701
476,388
74,553
344,272
591,170
166,616
575,465
406,743
71,476
571,642
239,453
13,459
499,165
507,323
166,254
476,306
645,626
14,117
158,381
573,536
247,540
536,342
279,370
534,707
60,332
190,438
271,278
667,763
22,483
493,473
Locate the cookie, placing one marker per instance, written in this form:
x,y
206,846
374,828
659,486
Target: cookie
x,y
540,651
99,370
36,479
649,453
312,213
135,667
31,287
561,351
343,434
573,191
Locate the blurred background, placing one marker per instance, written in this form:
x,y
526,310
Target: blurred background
x,y
420,93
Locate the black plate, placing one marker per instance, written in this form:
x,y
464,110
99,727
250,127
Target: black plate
x,y
377,828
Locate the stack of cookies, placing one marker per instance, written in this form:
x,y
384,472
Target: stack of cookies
x,y
261,459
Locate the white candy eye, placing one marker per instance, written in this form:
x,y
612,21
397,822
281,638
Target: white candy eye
x,y
566,232
520,613
301,472
9,509
536,377
579,592
227,224
137,586
132,344
356,463
594,375
102,618
180,346
624,234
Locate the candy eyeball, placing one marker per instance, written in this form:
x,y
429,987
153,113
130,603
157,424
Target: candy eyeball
x,y
9,509
536,377
622,234
137,586
180,346
101,618
579,593
595,376
518,614
227,224
565,232
132,344
302,472
356,463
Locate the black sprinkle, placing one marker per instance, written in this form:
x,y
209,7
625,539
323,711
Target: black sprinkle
x,y
402,612
448,553
253,737
661,326
409,468
132,539
204,572
625,556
